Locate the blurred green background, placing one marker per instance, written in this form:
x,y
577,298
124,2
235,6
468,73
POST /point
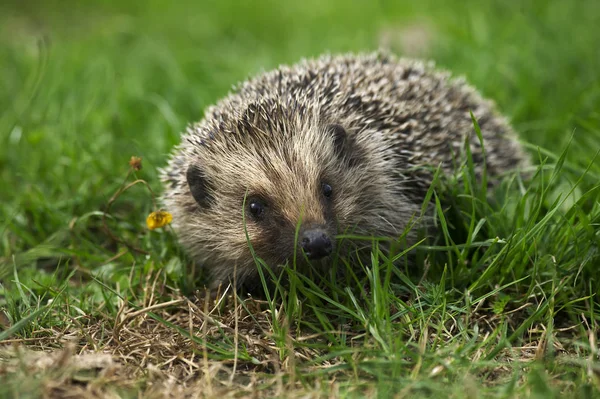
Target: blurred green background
x,y
85,85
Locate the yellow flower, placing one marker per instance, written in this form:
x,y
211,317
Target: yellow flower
x,y
135,163
158,219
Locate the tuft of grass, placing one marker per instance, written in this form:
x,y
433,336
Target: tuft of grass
x,y
502,302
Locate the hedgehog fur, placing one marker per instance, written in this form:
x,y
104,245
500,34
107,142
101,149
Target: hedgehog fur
x,y
335,144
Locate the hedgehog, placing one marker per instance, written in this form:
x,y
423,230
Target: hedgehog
x,y
293,158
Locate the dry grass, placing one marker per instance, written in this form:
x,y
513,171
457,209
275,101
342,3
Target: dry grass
x,y
167,349
162,349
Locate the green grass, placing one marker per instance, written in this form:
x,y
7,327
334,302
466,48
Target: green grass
x,y
502,304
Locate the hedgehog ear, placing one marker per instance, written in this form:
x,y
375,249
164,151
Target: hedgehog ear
x,y
344,145
198,184
340,138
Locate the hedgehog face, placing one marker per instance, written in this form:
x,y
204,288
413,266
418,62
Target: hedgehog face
x,y
272,183
274,187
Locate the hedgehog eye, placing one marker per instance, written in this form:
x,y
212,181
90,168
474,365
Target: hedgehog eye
x,y
327,190
256,208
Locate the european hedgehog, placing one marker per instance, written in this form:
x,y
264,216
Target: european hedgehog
x,y
309,151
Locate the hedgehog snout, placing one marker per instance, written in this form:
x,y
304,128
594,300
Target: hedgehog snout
x,y
316,243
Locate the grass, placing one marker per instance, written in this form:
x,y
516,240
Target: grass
x,y
503,303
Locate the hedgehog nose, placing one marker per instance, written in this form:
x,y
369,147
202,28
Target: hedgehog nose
x,y
316,244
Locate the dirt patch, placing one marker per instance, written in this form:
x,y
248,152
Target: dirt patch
x,y
178,348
